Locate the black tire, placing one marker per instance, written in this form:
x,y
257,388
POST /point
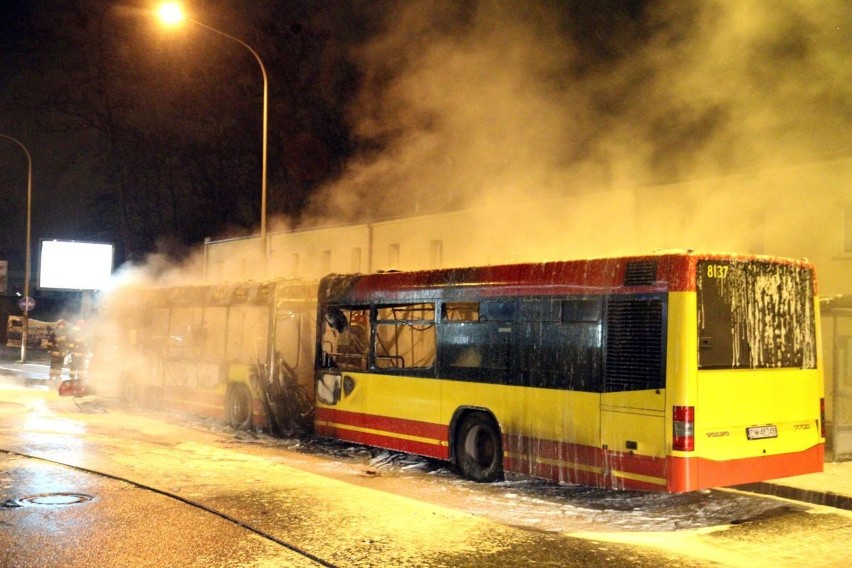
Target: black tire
x,y
239,408
479,448
129,392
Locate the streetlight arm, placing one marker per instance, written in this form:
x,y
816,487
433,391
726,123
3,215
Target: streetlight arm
x,y
265,128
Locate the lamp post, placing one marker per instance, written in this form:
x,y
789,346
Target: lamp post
x,y
171,14
26,306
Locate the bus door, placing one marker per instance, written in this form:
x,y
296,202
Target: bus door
x,y
344,346
294,325
633,435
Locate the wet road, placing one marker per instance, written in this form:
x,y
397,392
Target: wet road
x,y
263,500
61,517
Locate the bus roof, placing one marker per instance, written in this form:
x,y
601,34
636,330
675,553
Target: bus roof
x,y
635,274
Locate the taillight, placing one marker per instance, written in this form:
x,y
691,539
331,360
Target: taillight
x,y
822,418
683,429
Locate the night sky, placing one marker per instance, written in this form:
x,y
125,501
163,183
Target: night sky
x,y
150,138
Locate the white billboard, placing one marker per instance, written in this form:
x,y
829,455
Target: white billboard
x,y
70,265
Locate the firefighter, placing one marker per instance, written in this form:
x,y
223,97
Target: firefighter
x,y
79,351
57,346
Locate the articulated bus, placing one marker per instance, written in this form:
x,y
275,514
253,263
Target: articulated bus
x,y
672,372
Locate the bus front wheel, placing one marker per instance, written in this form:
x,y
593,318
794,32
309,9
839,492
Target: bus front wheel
x,y
239,407
129,390
479,449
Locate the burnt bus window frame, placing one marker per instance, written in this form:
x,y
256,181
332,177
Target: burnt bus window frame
x,y
415,318
342,344
727,336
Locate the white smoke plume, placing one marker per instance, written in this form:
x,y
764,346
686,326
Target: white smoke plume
x,y
466,103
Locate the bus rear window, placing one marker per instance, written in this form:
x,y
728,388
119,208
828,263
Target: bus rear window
x,y
755,315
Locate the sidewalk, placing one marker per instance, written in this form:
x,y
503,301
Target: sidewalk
x,y
832,487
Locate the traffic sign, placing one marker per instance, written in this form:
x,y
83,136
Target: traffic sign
x,y
26,304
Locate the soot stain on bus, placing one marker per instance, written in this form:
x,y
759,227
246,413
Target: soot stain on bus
x,y
657,373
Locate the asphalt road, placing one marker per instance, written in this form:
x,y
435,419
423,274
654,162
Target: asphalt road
x,y
87,483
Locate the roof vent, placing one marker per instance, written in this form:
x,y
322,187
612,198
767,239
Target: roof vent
x,y
640,273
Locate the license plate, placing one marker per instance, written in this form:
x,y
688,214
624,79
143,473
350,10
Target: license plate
x,y
761,432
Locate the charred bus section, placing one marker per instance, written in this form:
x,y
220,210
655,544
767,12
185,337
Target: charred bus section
x,y
242,352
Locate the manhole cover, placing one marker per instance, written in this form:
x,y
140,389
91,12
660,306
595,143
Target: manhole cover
x,y
54,499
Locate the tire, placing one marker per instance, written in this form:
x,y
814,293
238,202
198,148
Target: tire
x,y
239,408
129,392
479,448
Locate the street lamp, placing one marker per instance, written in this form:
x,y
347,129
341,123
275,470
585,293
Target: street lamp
x,y
26,300
172,14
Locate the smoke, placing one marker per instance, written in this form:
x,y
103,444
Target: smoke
x,y
459,101
479,102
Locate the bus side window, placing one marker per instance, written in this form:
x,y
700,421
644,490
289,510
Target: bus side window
x,y
406,336
476,345
469,356
560,343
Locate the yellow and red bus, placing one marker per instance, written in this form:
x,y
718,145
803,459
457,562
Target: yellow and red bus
x,y
672,372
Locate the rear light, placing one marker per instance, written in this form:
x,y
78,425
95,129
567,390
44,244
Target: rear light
x,y
822,418
683,429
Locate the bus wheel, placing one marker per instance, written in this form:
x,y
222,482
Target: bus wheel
x,y
479,449
239,407
129,390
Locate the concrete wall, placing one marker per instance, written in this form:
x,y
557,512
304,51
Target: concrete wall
x,y
795,211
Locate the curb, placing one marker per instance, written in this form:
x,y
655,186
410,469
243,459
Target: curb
x,y
826,498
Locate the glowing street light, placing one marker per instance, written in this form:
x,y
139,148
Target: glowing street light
x,y
172,14
26,300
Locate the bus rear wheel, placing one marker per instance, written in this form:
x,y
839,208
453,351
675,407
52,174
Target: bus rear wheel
x,y
238,407
479,448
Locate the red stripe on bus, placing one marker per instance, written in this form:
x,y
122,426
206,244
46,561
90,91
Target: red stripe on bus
x,y
586,465
690,474
573,463
389,441
342,424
